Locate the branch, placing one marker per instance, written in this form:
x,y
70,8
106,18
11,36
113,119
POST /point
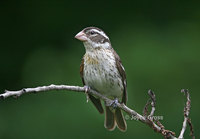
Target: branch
x,y
152,100
150,122
186,116
153,104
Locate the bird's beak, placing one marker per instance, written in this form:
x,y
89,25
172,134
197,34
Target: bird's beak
x,y
81,36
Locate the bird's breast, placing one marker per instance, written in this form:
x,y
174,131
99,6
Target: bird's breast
x,y
101,74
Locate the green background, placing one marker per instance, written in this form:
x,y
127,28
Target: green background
x,y
158,42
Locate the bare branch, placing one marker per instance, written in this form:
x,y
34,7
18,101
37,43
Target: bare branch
x,y
70,88
152,100
186,115
145,110
40,89
79,89
153,103
156,127
191,128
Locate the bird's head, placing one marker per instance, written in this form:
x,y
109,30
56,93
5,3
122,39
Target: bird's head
x,y
94,38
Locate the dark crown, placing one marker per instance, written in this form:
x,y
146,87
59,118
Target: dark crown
x,y
96,35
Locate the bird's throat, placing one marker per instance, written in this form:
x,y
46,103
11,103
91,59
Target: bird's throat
x,y
90,59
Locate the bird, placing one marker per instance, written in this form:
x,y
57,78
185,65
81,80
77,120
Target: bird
x,y
101,70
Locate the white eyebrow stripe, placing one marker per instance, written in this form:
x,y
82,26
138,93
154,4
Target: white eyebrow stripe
x,y
100,32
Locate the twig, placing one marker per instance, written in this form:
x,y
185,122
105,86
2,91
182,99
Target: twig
x,y
186,115
156,127
152,100
191,128
145,110
153,103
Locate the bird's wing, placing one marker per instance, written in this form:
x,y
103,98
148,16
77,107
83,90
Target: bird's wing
x,y
81,70
123,75
95,101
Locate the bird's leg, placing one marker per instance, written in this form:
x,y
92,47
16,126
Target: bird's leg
x,y
86,92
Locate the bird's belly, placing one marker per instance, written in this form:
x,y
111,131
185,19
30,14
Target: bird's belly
x,y
104,77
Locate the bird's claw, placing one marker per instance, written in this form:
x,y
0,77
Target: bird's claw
x,y
87,88
114,103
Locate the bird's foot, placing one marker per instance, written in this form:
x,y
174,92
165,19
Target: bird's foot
x,y
113,104
87,88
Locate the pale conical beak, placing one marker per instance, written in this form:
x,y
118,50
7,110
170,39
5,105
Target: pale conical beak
x,y
81,36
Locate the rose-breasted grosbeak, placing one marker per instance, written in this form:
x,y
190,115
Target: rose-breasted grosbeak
x,y
101,69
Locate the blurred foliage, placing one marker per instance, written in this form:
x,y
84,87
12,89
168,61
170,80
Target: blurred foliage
x,y
158,42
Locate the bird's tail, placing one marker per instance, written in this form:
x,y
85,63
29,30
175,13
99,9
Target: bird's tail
x,y
109,122
114,118
119,118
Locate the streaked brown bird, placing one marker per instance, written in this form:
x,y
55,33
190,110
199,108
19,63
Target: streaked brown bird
x,y
101,69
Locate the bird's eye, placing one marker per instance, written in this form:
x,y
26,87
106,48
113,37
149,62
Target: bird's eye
x,y
92,32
